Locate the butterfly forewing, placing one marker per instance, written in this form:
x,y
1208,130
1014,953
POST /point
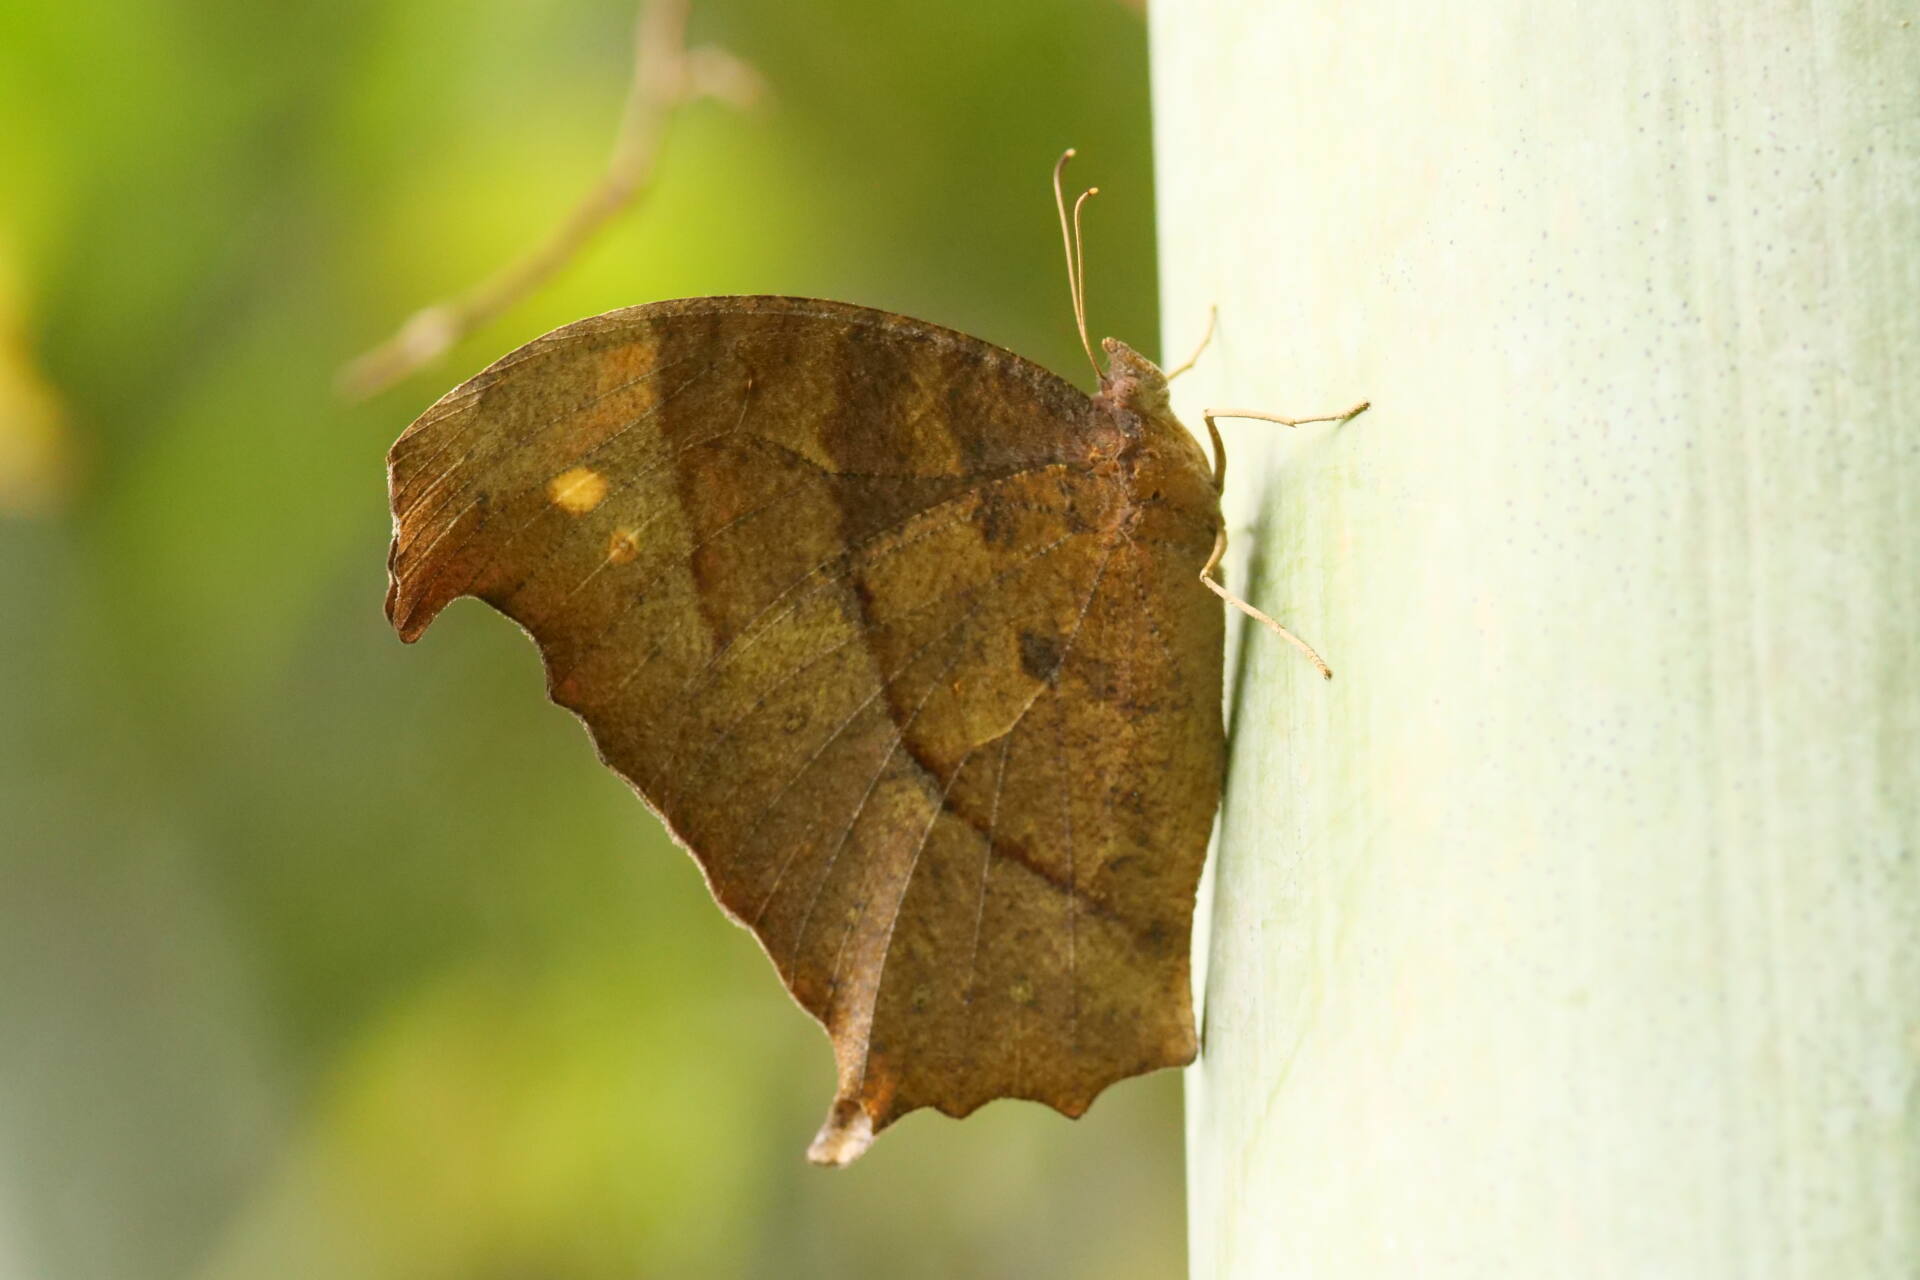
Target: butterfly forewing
x,y
856,605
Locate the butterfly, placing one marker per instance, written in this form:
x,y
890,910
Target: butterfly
x,y
915,646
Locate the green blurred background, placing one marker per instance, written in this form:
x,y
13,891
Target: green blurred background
x,y
321,956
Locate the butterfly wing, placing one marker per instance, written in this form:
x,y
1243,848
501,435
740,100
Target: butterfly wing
x,y
850,601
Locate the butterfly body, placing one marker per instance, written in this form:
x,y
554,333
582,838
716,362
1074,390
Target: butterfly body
x,y
1162,465
903,638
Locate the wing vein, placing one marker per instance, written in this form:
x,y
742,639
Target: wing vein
x,y
544,427
846,559
986,862
900,901
546,509
1065,650
881,687
766,810
853,820
725,732
746,635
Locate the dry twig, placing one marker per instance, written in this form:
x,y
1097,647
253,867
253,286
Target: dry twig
x,y
666,75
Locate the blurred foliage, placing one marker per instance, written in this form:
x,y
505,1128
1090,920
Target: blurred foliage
x,y
324,957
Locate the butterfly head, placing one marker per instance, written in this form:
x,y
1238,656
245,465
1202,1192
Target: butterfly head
x,y
1133,381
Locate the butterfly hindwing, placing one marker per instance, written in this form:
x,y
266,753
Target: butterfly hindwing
x,y
855,604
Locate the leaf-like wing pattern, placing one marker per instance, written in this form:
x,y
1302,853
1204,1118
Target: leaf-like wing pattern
x,y
865,610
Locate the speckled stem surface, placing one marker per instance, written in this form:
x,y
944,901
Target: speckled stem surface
x,y
1574,929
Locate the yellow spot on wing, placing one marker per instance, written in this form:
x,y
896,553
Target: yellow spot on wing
x,y
577,491
623,546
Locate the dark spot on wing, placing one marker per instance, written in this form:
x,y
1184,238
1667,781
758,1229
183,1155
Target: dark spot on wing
x,y
1040,655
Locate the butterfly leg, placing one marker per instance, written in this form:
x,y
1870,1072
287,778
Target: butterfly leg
x,y
1213,317
1220,449
1220,538
1213,585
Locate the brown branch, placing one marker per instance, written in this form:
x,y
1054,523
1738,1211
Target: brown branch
x,y
666,75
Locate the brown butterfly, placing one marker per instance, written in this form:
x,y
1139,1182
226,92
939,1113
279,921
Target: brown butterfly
x,y
906,639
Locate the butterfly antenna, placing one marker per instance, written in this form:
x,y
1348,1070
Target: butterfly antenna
x,y
1080,271
1076,270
